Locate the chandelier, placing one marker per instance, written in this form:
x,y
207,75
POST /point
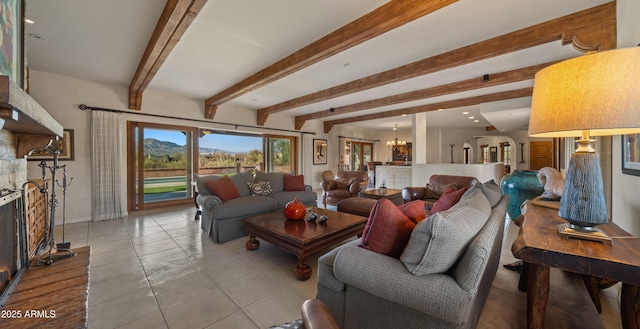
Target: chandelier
x,y
395,144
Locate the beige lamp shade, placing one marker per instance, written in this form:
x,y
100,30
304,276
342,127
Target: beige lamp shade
x,y
598,92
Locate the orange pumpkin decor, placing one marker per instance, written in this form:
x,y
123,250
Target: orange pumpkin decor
x,y
295,210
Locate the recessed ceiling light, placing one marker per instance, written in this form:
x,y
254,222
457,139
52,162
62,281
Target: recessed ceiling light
x,y
476,120
440,110
28,21
404,115
465,113
472,117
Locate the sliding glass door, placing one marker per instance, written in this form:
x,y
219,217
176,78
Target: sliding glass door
x,y
280,154
159,165
361,155
161,160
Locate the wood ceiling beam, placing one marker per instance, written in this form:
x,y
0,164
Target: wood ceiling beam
x,y
470,101
493,79
393,14
176,17
595,26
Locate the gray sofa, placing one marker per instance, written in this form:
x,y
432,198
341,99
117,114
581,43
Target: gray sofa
x,y
224,221
364,289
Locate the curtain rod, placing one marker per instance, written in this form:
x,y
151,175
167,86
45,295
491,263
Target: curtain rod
x,y
360,139
85,107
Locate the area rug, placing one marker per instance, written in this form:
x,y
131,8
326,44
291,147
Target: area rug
x,y
297,324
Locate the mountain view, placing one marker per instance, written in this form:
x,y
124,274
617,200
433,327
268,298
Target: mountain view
x,y
155,147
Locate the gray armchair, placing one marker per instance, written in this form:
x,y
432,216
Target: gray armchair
x,y
364,289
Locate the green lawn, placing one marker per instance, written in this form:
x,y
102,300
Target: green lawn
x,y
165,189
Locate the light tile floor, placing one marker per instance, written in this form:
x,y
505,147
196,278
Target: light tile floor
x,y
155,269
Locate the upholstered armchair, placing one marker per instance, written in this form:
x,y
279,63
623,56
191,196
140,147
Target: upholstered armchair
x,y
345,184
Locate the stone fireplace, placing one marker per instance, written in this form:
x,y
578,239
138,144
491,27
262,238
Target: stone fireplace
x,y
24,126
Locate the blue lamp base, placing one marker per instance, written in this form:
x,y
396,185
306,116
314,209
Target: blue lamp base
x,y
582,203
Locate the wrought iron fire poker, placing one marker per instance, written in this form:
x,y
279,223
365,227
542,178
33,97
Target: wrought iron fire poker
x,y
53,201
64,244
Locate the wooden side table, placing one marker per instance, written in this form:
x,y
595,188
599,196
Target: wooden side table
x,y
540,246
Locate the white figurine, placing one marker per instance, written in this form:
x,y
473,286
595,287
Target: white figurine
x,y
553,183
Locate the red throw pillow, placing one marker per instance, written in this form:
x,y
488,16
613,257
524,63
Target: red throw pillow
x,y
223,188
388,230
447,200
414,210
293,183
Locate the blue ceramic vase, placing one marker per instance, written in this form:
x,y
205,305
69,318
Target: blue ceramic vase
x,y
520,185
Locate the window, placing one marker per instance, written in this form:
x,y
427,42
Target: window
x,y
229,152
161,160
484,153
225,153
280,154
493,154
505,153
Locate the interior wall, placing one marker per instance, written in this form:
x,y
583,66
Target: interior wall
x,y
439,140
61,95
625,203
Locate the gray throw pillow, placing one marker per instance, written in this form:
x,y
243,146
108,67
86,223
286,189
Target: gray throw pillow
x,y
240,181
437,242
492,191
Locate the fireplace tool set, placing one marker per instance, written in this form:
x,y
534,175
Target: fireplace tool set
x,y
53,203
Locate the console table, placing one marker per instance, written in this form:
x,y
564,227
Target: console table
x,y
540,246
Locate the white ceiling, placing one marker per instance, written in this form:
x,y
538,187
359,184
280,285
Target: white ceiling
x,y
230,40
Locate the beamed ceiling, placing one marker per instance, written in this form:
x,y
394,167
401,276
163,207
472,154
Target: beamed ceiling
x,y
358,63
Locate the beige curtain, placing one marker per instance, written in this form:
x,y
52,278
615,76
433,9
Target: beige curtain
x,y
105,161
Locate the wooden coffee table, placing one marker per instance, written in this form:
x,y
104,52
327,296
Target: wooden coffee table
x,y
300,237
394,195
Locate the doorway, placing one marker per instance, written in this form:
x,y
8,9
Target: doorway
x,y
540,155
280,154
159,165
361,155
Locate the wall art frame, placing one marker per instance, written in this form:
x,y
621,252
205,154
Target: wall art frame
x,y
12,50
66,153
402,151
631,154
319,151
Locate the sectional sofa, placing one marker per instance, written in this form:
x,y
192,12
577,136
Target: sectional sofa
x,y
432,284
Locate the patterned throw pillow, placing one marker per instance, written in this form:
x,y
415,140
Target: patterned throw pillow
x,y
262,187
435,191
